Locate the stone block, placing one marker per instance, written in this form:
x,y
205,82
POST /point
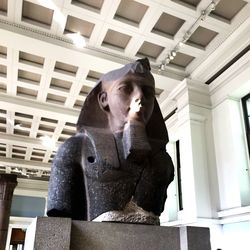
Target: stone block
x,y
62,233
115,236
51,233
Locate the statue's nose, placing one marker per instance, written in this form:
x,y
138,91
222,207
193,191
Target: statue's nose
x,y
138,95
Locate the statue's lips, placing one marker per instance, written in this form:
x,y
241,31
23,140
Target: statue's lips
x,y
137,113
136,108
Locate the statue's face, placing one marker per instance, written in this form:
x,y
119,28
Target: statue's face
x,y
131,98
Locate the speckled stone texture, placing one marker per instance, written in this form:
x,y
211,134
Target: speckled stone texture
x,y
197,238
52,234
64,234
117,236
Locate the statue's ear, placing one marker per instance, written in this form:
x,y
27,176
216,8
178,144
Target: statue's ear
x,y
103,100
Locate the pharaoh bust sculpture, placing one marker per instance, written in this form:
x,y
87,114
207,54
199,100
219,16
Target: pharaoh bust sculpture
x,y
116,167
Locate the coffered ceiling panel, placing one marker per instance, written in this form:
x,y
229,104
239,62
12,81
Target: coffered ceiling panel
x,y
229,8
37,14
130,10
168,24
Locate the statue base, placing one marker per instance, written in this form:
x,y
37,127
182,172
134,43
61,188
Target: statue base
x,y
66,234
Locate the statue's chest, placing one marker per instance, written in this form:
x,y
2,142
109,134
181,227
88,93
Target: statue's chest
x,y
102,159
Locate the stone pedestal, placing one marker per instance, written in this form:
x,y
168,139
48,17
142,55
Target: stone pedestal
x,y
7,185
64,234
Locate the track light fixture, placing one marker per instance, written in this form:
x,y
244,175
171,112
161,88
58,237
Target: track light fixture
x,y
204,13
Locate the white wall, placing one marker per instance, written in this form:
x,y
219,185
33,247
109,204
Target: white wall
x,y
214,157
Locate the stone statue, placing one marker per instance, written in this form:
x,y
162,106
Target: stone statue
x,y
116,167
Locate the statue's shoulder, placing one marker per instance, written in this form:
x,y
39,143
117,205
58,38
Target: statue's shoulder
x,y
72,146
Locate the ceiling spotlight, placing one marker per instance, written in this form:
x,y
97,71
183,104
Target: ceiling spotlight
x,y
181,43
167,61
48,142
18,126
77,39
212,6
162,66
187,35
203,15
173,53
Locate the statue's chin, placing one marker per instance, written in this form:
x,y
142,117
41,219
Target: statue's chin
x,y
135,141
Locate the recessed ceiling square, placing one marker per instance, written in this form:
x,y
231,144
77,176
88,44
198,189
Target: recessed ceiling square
x,y
75,25
3,87
18,151
3,70
3,51
193,3
60,85
68,132
202,36
150,50
56,99
65,68
182,60
36,159
78,104
130,11
22,115
70,125
37,14
93,76
2,120
46,128
116,39
38,153
3,6
228,9
48,120
2,147
24,75
94,5
27,93
22,133
168,24
23,124
85,90
30,58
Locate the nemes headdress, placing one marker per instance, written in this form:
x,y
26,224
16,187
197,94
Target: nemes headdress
x,y
93,116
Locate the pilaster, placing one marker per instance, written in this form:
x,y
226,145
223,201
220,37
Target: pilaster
x,y
7,184
193,129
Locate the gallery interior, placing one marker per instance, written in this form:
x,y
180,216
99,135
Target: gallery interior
x,y
52,53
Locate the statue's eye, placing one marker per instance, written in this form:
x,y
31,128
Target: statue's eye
x,y
126,88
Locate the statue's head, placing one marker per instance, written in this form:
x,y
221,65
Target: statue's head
x,y
121,96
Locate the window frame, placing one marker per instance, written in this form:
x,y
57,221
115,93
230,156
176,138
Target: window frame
x,y
246,117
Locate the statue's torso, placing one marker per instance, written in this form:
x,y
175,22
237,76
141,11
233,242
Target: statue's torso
x,y
112,181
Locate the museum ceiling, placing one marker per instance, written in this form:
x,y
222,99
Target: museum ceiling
x,y
53,51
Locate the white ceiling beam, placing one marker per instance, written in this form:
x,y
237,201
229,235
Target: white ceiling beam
x,y
23,141
31,107
19,163
28,187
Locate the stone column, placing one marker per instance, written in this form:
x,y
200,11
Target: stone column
x,y
8,183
